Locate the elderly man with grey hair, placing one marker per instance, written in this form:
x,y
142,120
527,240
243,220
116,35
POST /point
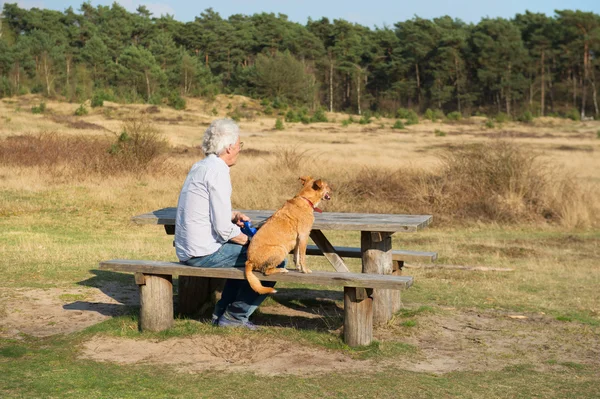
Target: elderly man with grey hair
x,y
207,231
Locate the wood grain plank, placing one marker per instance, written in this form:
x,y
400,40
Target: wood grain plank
x,y
322,278
328,251
323,221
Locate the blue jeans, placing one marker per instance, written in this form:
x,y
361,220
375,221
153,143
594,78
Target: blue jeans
x,y
238,300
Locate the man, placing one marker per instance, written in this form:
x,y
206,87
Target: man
x,y
207,231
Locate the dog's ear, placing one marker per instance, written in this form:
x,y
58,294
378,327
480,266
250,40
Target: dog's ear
x,y
317,185
304,179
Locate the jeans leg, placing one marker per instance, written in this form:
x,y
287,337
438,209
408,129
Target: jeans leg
x,y
247,300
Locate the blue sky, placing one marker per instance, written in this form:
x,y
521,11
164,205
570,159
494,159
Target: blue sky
x,y
369,13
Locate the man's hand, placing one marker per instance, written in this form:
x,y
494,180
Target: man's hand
x,y
239,218
241,239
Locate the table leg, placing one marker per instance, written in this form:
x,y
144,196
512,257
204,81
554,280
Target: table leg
x,y
358,316
376,248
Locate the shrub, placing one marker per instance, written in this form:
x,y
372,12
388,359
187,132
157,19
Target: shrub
x,y
429,115
398,125
305,119
501,117
292,117
439,133
81,111
598,134
319,116
40,109
412,118
403,113
490,124
279,124
99,96
268,110
214,111
176,101
264,102
573,114
279,104
454,116
365,120
526,117
346,122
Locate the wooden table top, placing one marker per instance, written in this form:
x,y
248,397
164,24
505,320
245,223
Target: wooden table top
x,y
323,221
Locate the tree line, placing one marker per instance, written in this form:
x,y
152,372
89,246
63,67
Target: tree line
x,y
532,63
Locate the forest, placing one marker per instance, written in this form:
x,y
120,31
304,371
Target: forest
x,y
532,63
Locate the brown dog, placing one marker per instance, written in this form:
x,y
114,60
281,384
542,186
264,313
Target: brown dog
x,y
288,228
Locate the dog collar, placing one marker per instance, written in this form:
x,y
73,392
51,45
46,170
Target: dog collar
x,y
312,205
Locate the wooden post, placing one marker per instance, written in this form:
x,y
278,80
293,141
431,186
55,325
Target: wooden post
x,y
156,302
397,266
376,248
358,317
197,295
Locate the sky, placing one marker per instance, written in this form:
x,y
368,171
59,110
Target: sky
x,y
371,13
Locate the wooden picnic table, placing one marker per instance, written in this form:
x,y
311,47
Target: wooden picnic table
x,y
375,247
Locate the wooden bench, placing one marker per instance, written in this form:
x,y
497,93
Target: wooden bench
x,y
399,256
156,291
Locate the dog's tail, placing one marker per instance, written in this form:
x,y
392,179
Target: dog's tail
x,y
255,282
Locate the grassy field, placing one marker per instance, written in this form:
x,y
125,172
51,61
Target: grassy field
x,y
69,330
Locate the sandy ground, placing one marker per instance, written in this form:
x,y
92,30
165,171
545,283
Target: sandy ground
x,y
444,341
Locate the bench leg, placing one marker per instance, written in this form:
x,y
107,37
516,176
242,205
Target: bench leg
x,y
198,295
358,316
396,299
156,302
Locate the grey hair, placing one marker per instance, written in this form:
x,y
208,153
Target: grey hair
x,y
219,135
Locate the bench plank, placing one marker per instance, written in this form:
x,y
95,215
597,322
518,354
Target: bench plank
x,y
317,277
397,254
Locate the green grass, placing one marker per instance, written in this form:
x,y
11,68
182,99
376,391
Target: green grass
x,y
51,367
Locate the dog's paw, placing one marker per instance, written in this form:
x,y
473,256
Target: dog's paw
x,y
285,271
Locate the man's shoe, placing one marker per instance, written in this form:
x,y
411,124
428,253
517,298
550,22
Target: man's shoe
x,y
225,322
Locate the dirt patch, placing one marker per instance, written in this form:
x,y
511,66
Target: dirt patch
x,y
442,341
75,123
222,353
45,312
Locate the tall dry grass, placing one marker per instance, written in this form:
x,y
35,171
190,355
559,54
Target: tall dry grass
x,y
497,181
138,149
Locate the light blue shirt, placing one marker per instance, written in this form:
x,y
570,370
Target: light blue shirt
x,y
203,222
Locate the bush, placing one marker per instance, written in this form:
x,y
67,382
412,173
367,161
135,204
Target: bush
x,y
81,111
490,124
598,134
346,122
99,96
40,109
412,118
365,120
279,124
398,125
439,133
403,113
176,101
454,116
501,117
214,111
573,114
268,110
279,104
319,116
264,102
305,119
292,117
526,117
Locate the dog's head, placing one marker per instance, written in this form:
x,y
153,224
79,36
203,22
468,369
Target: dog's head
x,y
315,190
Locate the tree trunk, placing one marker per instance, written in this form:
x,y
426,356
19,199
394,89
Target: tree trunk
x,y
330,83
586,55
418,86
147,84
358,92
457,85
507,97
543,87
595,97
47,74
